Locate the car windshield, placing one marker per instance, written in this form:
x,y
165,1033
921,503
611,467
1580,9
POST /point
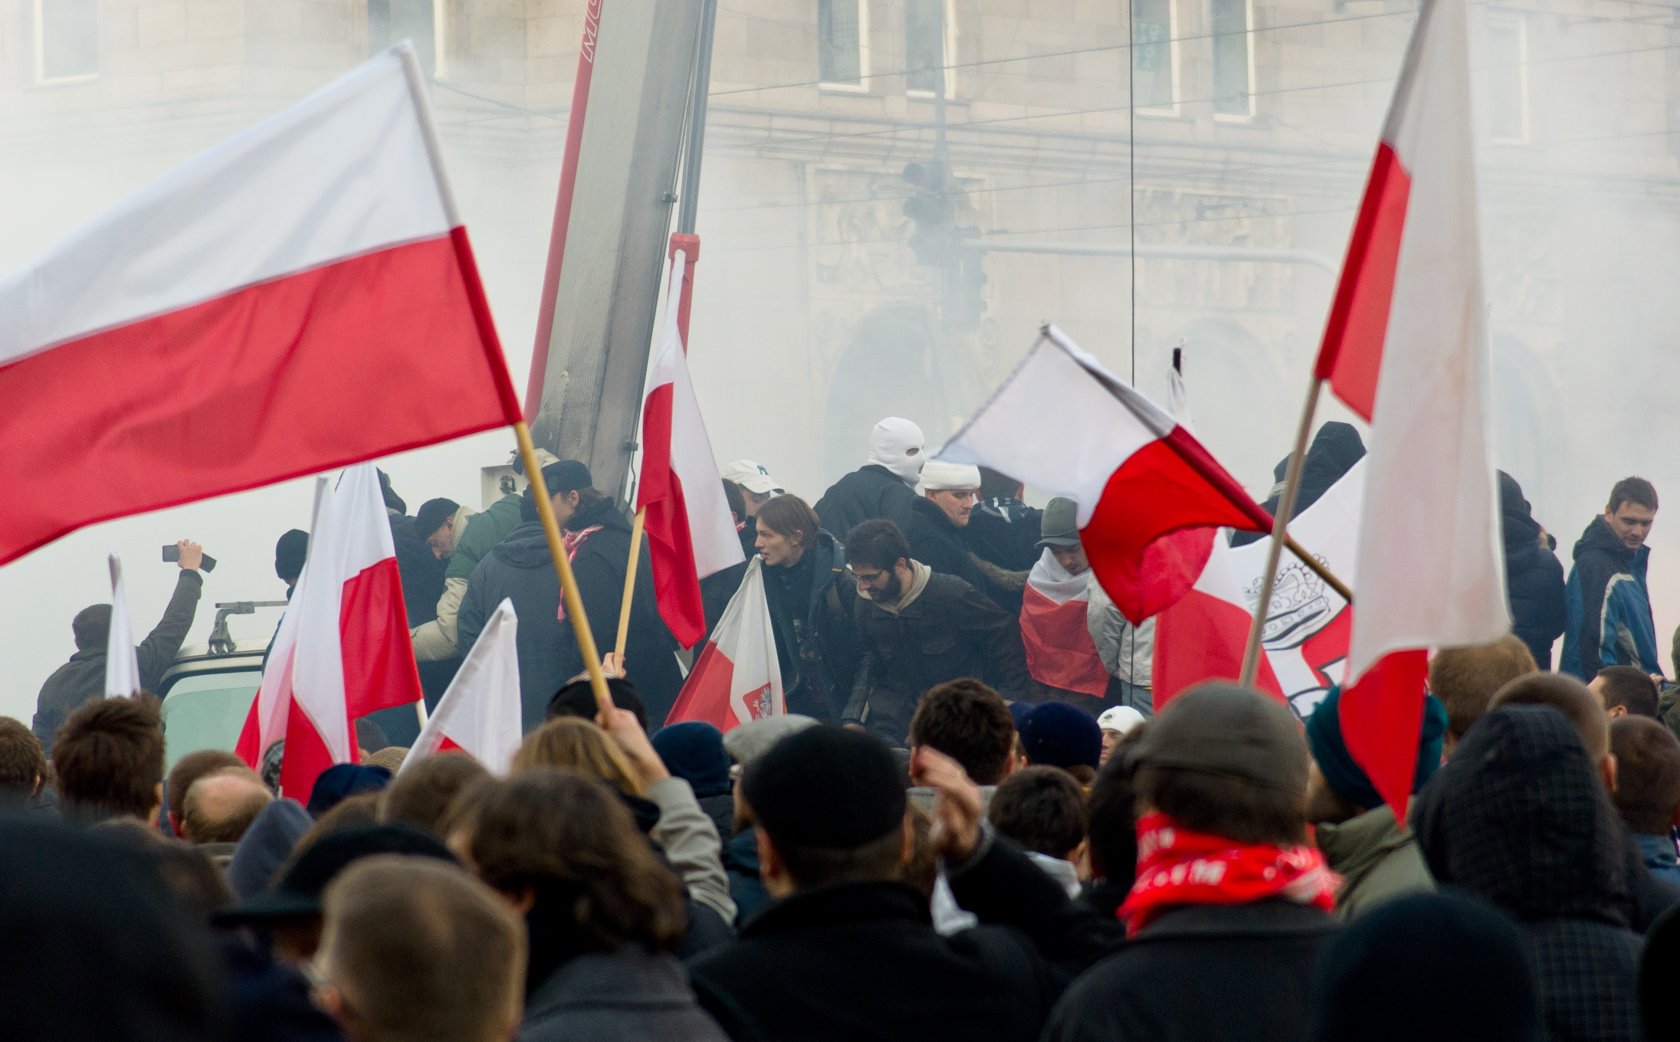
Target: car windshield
x,y
206,711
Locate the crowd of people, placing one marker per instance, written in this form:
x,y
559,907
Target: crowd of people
x,y
972,821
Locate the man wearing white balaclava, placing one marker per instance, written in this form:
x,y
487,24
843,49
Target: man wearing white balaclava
x,y
882,487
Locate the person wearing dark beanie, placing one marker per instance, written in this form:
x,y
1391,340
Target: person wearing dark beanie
x,y
693,751
1056,734
1445,967
848,951
1376,857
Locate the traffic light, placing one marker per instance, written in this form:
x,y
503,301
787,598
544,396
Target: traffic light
x,y
940,241
931,207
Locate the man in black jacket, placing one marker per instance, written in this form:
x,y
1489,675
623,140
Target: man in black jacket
x,y
848,951
1533,574
918,628
939,517
520,567
1230,906
82,679
882,487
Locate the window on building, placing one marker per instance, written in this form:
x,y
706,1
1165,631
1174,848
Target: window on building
x,y
393,21
840,42
924,49
1154,56
66,39
1233,58
1507,78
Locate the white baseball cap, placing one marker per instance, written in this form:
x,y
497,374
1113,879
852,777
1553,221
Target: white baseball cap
x,y
1119,718
751,476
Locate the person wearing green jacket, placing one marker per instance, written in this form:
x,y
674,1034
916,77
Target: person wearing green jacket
x,y
461,537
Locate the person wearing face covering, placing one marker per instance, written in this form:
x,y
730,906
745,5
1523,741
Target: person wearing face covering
x,y
884,486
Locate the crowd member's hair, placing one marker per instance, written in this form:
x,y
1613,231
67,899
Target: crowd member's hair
x,y
1464,679
579,746
1570,697
1631,688
92,627
789,516
577,698
876,544
997,485
810,867
23,766
1632,490
572,842
737,503
970,723
1647,774
1111,815
189,769
200,825
1042,809
108,758
587,497
419,951
421,796
290,551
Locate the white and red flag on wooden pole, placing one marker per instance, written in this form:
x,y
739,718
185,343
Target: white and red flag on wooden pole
x,y
300,297
1065,425
689,528
122,662
1406,347
479,714
342,651
737,676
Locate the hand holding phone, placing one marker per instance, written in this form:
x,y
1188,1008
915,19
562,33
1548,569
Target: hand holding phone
x,y
189,555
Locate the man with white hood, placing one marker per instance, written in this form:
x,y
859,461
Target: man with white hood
x,y
883,486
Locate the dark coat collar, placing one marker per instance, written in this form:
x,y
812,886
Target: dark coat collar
x,y
844,904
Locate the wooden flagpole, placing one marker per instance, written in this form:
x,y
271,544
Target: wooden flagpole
x,y
630,567
563,568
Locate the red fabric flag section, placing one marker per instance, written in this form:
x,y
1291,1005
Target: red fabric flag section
x,y
342,651
298,298
737,676
1065,425
1060,652
689,529
1406,345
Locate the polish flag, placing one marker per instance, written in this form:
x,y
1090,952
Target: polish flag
x,y
1406,346
342,651
479,714
1058,643
122,661
737,676
689,528
1064,424
298,298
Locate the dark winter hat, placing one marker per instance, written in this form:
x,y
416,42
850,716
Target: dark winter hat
x,y
567,475
1466,956
82,906
289,553
1226,729
826,787
1018,711
432,514
265,846
693,751
1056,734
1345,777
297,894
343,780
577,698
1059,526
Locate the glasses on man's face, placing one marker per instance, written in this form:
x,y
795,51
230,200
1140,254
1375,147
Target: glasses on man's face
x,y
869,578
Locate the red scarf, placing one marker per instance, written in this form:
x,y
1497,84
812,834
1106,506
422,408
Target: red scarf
x,y
571,541
1180,867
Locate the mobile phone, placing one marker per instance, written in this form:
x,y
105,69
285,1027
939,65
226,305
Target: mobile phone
x,y
172,555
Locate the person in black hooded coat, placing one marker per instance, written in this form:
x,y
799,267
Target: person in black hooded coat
x,y
1519,817
1533,574
1333,452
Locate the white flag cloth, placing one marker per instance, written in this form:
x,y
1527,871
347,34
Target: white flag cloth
x,y
122,664
479,714
738,676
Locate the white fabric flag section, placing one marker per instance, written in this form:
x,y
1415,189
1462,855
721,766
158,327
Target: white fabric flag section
x,y
479,714
738,676
122,665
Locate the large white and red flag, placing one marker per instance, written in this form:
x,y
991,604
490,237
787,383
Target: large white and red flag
x,y
1065,425
342,650
1060,652
122,662
300,297
479,714
738,675
1304,644
689,528
1406,347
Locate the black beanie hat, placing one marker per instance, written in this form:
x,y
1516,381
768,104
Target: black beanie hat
x,y
826,787
432,514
